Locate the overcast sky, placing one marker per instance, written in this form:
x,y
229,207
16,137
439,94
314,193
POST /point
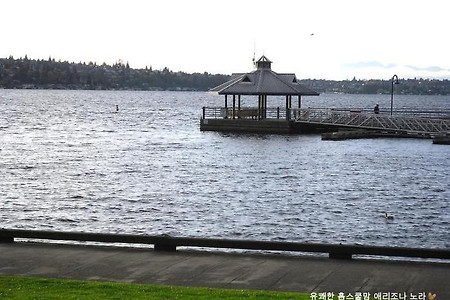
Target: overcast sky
x,y
324,39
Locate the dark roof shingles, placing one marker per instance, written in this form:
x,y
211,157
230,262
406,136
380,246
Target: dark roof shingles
x,y
263,82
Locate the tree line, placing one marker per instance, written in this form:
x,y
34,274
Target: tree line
x,y
415,86
52,74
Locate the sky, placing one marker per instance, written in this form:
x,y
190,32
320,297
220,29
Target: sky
x,y
317,39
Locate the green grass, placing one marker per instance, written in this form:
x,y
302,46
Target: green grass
x,y
42,288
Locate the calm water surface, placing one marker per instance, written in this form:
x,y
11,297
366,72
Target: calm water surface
x,y
69,162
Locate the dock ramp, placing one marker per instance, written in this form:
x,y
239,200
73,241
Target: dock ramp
x,y
360,120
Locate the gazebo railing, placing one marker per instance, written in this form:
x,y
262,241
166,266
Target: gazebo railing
x,y
243,113
214,113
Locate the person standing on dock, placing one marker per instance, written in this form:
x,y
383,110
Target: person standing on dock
x,y
376,109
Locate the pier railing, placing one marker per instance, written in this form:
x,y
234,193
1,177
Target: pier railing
x,y
357,119
423,113
169,243
280,112
428,122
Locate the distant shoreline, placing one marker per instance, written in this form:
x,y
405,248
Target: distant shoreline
x,y
24,73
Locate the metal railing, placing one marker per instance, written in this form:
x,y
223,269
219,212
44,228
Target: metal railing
x,y
427,114
357,119
168,243
403,121
280,112
424,113
243,113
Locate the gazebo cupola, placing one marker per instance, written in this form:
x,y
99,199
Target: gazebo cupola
x,y
263,63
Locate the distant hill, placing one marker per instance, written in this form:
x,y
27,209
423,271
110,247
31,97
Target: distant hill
x,y
51,74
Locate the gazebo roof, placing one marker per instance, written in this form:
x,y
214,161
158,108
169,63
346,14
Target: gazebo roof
x,y
263,81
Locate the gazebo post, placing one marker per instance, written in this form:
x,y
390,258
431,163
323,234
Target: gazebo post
x,y
299,101
226,106
234,106
258,110
287,107
259,107
264,106
239,102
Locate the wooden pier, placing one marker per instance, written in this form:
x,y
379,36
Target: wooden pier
x,y
299,120
265,83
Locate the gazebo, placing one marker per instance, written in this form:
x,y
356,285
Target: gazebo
x,y
262,82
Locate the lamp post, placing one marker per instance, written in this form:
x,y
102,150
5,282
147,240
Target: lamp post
x,y
394,80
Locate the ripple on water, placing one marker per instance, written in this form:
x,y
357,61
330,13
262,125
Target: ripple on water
x,y
148,169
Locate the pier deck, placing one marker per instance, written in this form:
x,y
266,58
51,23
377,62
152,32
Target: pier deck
x,y
276,120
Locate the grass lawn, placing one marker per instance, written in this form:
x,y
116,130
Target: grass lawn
x,y
41,288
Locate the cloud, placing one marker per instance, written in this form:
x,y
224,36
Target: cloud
x,y
377,64
373,68
369,64
428,69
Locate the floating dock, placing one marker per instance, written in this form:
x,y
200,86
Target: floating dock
x,y
354,134
442,140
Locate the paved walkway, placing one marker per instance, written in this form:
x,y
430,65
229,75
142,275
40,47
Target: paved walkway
x,y
225,270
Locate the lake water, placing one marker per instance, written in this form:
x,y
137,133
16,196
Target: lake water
x,y
69,162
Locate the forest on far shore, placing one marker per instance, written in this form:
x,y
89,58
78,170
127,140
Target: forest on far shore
x,y
51,74
25,73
